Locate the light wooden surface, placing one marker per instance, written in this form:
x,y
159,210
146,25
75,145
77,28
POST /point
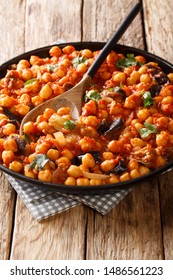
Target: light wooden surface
x,y
141,226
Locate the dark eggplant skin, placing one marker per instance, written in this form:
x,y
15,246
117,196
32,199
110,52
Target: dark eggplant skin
x,y
77,160
113,130
119,169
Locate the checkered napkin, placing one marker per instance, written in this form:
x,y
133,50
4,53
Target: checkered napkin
x,y
43,203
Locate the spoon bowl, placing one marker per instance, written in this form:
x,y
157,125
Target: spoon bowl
x,y
73,97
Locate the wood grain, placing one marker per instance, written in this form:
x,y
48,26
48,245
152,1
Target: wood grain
x,y
141,226
60,237
12,44
159,36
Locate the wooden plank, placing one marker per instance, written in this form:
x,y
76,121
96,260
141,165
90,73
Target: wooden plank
x,y
49,21
126,232
62,236
12,44
131,231
159,37
101,19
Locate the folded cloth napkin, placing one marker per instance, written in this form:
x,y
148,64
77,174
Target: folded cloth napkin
x,y
43,203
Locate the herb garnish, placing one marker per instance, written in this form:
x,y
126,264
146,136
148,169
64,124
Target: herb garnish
x,y
40,160
30,81
148,100
52,67
78,60
93,94
127,62
147,130
69,124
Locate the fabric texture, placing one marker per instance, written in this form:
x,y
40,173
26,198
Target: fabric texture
x,y
43,203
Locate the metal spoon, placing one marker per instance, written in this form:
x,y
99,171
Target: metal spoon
x,y
73,97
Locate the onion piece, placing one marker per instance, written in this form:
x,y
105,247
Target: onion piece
x,y
95,176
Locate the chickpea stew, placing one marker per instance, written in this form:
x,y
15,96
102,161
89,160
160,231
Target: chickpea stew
x,y
125,130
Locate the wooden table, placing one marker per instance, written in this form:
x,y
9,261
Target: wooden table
x,y
141,226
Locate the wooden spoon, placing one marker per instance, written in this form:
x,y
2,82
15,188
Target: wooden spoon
x,y
73,97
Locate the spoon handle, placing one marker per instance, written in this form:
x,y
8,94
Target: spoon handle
x,y
113,40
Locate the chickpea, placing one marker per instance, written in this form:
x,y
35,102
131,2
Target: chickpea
x,y
10,145
95,182
45,175
108,165
124,177
37,100
143,114
88,160
27,74
25,99
137,142
53,154
134,174
7,157
74,171
108,155
133,164
70,181
16,166
63,161
119,77
29,127
55,51
8,129
45,92
162,138
143,170
86,53
81,68
28,172
67,153
82,182
145,78
68,49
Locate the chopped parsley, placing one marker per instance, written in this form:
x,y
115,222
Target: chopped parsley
x,y
30,81
148,100
93,94
40,160
78,60
127,62
69,124
147,130
52,67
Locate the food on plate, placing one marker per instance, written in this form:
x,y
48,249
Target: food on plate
x,y
125,130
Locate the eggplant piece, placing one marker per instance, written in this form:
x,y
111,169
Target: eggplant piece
x,y
103,127
77,160
161,78
155,90
11,116
21,144
119,169
114,128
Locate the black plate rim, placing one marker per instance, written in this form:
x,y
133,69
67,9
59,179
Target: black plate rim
x,y
88,189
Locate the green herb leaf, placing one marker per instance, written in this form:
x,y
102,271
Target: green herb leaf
x,y
40,160
78,60
52,67
26,138
93,94
30,81
147,130
148,100
127,62
69,124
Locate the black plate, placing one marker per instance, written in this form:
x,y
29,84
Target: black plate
x,y
44,52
